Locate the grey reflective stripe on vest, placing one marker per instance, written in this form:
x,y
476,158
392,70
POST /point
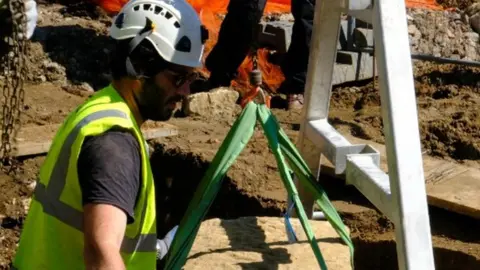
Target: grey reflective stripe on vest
x,y
49,197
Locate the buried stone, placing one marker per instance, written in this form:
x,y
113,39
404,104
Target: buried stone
x,y
238,228
215,102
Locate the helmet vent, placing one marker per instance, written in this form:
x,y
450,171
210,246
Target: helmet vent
x,y
158,9
184,45
177,25
203,33
168,15
120,19
136,8
146,6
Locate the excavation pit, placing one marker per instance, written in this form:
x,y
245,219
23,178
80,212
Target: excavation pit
x,y
177,176
179,172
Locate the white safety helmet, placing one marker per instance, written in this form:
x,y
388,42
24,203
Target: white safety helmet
x,y
172,26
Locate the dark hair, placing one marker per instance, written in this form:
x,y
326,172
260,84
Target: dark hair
x,y
145,59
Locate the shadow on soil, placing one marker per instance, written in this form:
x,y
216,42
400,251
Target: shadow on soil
x,y
442,222
271,258
459,76
382,255
82,51
178,174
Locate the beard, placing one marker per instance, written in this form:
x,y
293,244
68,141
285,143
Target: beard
x,y
153,102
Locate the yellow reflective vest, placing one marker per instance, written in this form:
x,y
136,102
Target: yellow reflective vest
x,y
52,236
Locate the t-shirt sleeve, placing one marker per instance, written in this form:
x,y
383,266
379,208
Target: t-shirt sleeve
x,y
109,170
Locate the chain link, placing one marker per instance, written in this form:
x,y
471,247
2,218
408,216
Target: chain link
x,y
255,59
13,67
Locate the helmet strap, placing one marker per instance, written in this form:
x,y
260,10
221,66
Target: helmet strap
x,y
147,30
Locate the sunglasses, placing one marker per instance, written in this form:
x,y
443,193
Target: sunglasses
x,y
180,78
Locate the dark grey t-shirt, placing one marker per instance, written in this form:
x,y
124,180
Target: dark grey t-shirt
x,y
109,169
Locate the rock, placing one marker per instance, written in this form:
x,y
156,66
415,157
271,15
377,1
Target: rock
x,y
25,202
354,89
412,29
465,18
261,243
450,34
54,71
414,35
471,52
31,186
215,102
456,17
83,89
473,9
440,40
455,56
437,52
475,22
472,37
86,87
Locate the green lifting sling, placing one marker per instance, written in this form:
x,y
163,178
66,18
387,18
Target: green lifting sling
x,y
232,146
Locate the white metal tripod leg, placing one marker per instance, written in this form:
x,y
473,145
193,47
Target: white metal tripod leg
x,y
325,33
401,194
399,112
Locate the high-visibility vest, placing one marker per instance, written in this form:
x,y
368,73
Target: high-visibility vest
x,y
52,236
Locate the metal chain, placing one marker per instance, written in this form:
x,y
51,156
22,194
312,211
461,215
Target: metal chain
x,y
255,73
13,67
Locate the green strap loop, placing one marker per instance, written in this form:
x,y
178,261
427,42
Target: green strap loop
x,y
235,141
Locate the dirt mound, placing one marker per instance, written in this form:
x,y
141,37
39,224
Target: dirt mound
x,y
457,137
54,58
448,98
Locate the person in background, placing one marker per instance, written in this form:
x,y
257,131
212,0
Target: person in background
x,y
236,37
94,203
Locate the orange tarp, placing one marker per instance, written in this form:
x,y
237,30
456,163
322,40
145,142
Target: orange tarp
x,y
208,11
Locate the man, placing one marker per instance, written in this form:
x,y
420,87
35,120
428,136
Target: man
x,y
237,35
94,203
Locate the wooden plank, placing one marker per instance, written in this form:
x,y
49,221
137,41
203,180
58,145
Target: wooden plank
x,y
34,140
450,186
458,193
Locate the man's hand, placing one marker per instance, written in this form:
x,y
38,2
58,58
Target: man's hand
x,y
104,228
